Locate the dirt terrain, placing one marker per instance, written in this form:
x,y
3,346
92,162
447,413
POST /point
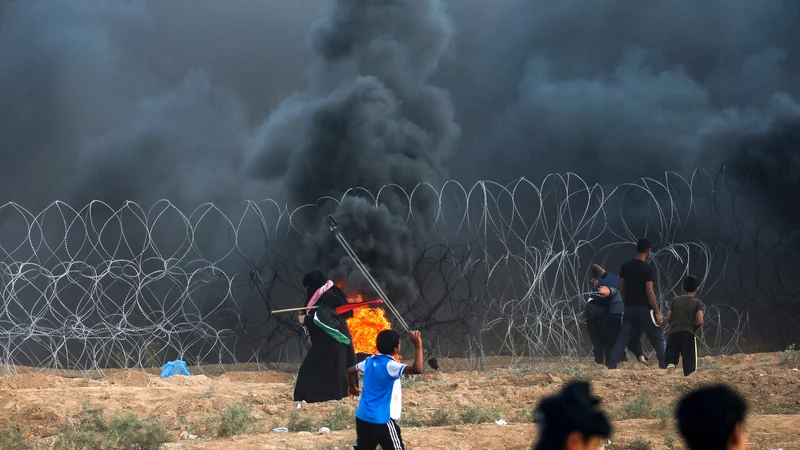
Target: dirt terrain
x,y
454,408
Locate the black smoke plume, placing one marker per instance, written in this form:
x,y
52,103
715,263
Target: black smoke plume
x,y
370,118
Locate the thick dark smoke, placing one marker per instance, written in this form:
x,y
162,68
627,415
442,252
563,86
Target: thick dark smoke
x,y
617,90
369,119
136,100
621,89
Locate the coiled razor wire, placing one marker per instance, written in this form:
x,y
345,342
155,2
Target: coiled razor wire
x,y
503,272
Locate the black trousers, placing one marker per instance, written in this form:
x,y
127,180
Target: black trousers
x,y
603,330
683,345
370,435
636,320
596,320
610,333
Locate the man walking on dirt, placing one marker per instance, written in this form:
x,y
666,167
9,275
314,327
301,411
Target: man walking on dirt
x,y
641,308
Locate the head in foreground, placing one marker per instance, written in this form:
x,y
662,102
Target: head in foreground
x,y
571,420
712,418
388,342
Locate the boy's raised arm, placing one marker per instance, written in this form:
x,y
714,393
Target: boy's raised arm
x,y
416,368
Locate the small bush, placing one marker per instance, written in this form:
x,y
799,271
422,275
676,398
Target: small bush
x,y
479,414
210,392
443,417
297,423
641,407
131,432
640,444
411,419
235,420
708,363
791,355
409,382
664,417
521,370
11,438
124,431
340,418
524,416
671,443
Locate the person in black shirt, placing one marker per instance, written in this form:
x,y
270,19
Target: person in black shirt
x,y
641,308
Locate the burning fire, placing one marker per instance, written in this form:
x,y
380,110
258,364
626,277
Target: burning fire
x,y
365,325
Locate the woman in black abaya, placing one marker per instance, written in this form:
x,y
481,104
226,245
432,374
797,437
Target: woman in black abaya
x,y
323,374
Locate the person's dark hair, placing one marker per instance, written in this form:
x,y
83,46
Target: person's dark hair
x,y
643,245
596,271
707,417
387,341
573,409
691,284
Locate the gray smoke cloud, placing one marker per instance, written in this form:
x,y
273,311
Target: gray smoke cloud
x,y
618,90
136,100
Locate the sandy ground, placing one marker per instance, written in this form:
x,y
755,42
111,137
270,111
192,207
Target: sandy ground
x,y
43,403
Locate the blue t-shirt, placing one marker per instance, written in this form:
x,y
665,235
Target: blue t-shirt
x,y
609,280
614,304
381,398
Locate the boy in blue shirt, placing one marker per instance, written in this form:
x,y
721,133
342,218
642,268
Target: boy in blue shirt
x,y
381,400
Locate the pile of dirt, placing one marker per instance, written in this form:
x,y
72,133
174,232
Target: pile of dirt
x,y
31,381
130,378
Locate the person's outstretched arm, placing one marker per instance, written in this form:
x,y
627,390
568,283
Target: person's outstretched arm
x,y
416,368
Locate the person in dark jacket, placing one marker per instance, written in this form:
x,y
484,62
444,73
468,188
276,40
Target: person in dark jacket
x,y
323,373
604,310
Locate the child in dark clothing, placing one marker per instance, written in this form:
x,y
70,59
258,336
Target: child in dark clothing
x,y
685,317
381,402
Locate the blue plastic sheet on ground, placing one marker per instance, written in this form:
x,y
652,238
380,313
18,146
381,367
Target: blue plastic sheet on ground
x,y
174,368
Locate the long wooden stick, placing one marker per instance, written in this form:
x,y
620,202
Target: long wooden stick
x,y
293,309
339,309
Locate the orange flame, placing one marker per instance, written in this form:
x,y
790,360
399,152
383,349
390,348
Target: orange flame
x,y
365,325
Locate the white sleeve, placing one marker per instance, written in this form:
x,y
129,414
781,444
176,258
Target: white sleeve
x,y
360,366
395,369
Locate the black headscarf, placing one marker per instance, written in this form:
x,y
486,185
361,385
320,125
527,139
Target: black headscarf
x,y
572,409
313,281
